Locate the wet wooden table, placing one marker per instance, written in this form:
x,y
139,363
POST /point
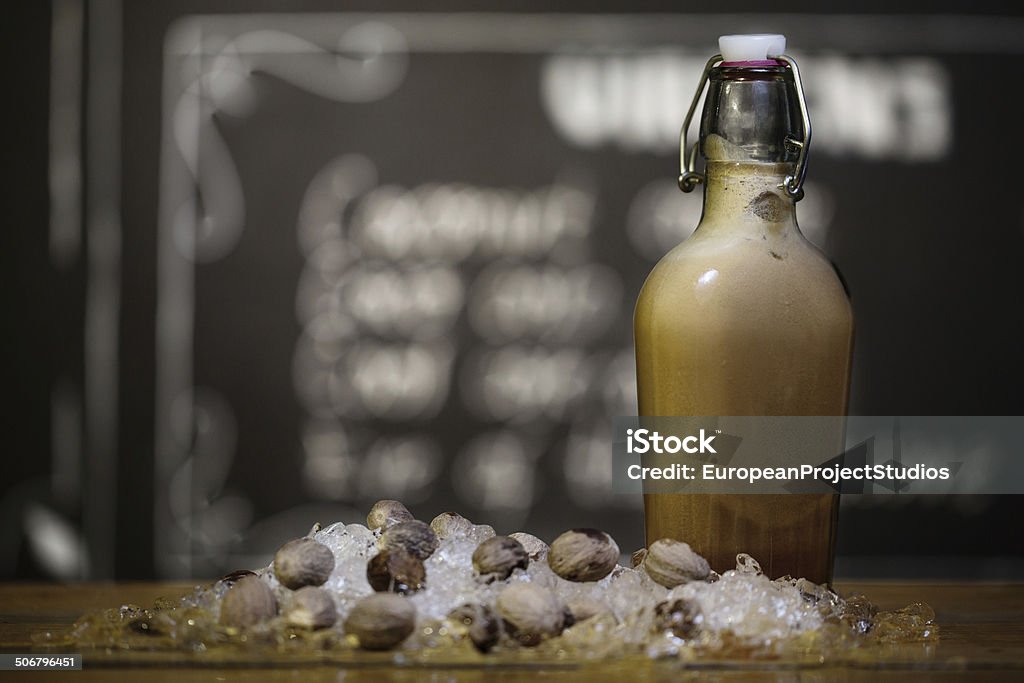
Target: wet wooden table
x,y
982,638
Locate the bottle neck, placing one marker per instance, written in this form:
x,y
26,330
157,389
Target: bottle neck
x,y
747,197
751,114
750,120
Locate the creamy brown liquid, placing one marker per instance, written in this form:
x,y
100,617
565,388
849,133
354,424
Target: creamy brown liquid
x,y
745,318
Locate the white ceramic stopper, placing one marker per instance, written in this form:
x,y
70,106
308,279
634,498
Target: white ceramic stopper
x,y
751,47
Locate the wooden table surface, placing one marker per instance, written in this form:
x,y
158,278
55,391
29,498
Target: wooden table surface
x,y
982,638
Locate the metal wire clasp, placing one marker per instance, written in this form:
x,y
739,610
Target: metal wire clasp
x,y
689,178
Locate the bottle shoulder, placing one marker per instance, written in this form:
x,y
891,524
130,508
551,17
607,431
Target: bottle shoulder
x,y
743,270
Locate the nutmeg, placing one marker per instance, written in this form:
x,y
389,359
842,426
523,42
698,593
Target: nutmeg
x,y
248,602
311,607
448,524
414,537
583,608
497,557
303,562
481,625
670,563
534,547
397,571
681,617
386,513
531,612
381,621
583,555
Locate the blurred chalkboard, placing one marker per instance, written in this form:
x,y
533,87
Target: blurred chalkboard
x,y
394,254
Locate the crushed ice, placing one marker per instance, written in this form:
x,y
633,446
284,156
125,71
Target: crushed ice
x,y
741,608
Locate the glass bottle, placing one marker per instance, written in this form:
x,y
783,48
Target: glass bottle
x,y
746,317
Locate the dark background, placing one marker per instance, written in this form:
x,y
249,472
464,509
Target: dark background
x,y
930,249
